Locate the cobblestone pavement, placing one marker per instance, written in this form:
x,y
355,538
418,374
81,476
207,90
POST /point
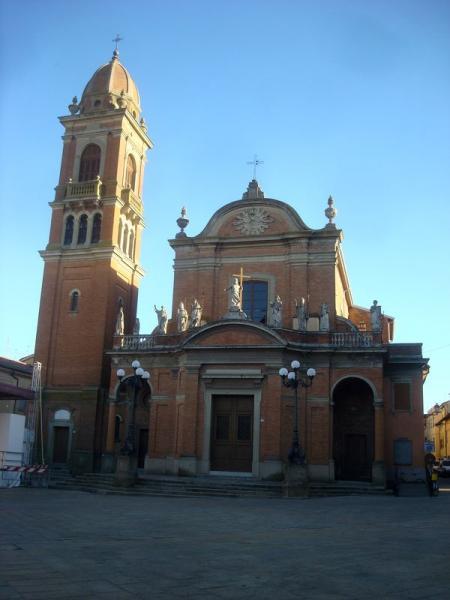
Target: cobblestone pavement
x,y
59,544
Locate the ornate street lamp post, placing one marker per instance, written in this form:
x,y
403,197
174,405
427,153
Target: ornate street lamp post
x,y
127,461
292,379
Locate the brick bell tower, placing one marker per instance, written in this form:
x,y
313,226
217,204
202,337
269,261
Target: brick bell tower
x,y
91,261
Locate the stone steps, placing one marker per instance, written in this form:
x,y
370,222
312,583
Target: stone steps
x,y
164,487
232,487
346,488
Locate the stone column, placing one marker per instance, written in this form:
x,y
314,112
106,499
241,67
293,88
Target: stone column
x,y
378,468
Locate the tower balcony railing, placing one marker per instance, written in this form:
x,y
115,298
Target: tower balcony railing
x,y
83,190
130,198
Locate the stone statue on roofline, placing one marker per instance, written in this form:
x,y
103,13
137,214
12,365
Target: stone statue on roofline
x,y
137,327
120,322
196,313
182,318
276,312
301,314
324,320
375,316
162,320
235,295
235,300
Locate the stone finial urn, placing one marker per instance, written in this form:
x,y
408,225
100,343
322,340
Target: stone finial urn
x,y
74,107
182,223
330,212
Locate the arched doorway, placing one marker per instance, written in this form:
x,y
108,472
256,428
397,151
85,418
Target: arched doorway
x,y
61,428
353,430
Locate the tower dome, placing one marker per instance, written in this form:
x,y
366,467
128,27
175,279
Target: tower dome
x,y
111,86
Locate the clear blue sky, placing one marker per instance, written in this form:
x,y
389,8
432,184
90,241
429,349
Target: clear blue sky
x,y
344,97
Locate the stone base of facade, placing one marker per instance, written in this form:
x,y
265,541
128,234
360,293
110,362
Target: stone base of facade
x,y
271,470
126,471
296,480
378,473
190,466
81,461
184,466
406,475
108,464
321,472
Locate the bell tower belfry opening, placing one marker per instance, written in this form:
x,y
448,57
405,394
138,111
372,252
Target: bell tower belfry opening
x,y
92,268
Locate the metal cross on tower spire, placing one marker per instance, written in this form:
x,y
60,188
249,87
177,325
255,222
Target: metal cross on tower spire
x,y
255,162
116,40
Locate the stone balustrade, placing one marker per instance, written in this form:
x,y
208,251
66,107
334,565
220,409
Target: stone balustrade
x,y
341,340
130,198
83,189
352,339
134,342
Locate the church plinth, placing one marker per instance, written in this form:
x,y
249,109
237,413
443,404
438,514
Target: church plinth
x,y
235,314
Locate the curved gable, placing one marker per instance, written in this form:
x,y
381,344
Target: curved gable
x,y
234,333
255,217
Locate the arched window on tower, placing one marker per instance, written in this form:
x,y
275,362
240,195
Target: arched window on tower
x,y
131,245
74,300
90,163
130,178
125,239
82,229
68,232
96,228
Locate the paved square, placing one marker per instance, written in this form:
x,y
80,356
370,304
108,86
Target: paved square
x,y
60,544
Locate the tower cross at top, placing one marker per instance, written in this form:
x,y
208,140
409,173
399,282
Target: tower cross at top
x,y
116,40
255,162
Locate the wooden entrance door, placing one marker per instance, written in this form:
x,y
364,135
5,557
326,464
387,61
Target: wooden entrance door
x,y
355,463
232,433
60,444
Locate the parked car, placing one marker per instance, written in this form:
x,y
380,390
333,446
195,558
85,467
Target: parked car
x,y
444,467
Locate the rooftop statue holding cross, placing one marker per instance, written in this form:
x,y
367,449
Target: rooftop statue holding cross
x,y
235,289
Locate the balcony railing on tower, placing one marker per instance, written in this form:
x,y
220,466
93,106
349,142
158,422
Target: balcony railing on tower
x,y
83,190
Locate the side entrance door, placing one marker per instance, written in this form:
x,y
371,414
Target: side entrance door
x,y
60,444
232,433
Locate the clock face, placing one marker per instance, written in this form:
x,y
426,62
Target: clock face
x,y
253,221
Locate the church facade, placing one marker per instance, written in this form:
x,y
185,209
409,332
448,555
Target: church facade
x,y
254,291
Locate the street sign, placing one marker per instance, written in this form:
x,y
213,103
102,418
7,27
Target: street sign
x,y
429,446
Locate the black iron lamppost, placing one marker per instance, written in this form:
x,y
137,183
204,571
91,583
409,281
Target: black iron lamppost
x,y
134,384
292,379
